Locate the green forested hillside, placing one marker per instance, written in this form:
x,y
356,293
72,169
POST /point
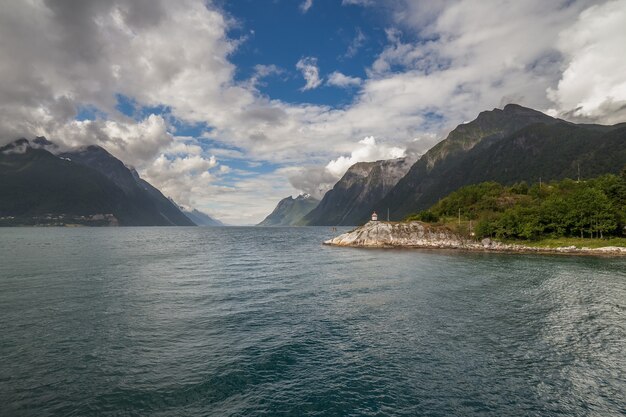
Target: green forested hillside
x,y
592,208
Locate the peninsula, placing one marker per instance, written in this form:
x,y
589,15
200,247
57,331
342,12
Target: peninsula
x,y
415,234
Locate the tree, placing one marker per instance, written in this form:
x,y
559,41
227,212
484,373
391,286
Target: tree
x,y
553,215
591,212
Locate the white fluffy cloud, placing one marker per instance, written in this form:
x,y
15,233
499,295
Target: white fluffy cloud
x,y
176,175
136,143
367,150
310,72
338,79
593,84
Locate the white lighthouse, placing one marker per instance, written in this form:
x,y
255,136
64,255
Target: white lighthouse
x,y
374,217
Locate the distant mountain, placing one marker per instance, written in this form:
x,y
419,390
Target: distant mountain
x,y
354,196
87,186
509,145
290,211
202,219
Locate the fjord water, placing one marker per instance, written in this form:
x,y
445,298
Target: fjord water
x,y
267,321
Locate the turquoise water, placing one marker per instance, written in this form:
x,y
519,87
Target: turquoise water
x,y
259,321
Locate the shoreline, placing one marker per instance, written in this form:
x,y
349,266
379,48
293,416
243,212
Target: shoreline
x,y
418,235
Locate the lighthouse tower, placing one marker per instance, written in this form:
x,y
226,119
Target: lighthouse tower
x,y
374,217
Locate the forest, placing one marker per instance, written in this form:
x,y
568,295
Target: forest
x,y
590,208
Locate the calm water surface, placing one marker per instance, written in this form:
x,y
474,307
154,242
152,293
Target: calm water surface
x,y
259,321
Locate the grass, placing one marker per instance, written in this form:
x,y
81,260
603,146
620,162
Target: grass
x,y
571,241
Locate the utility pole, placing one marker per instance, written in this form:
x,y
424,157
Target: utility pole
x,y
459,216
387,213
579,172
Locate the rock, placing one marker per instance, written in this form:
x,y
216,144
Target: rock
x,y
486,242
566,249
390,234
611,249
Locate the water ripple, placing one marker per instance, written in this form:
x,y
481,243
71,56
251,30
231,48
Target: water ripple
x,y
266,322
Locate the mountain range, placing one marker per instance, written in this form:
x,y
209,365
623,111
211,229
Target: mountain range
x,y
507,145
86,186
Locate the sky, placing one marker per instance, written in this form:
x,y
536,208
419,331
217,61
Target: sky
x,y
228,106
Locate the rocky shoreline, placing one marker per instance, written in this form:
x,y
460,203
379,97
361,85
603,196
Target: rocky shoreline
x,y
378,234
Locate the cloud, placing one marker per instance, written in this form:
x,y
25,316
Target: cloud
x,y
306,5
338,79
357,2
367,150
311,179
593,84
181,178
310,72
135,143
263,71
58,56
356,44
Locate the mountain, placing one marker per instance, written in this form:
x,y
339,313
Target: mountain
x,y
88,186
201,219
354,196
510,145
290,211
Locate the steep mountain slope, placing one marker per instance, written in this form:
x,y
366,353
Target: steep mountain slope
x,y
493,124
290,211
36,182
159,210
202,219
39,187
510,145
355,194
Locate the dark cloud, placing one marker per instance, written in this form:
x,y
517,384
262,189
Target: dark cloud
x,y
272,115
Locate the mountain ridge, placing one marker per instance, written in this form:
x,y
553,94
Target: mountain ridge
x,y
72,187
290,211
353,197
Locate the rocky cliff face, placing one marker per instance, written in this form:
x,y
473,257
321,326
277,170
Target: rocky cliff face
x,y
289,211
352,199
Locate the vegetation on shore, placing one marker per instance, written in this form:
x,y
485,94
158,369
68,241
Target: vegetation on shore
x,y
562,213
